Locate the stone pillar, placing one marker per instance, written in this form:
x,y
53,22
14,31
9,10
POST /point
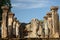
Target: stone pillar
x,y
49,14
55,21
10,24
14,27
17,28
4,21
40,31
34,27
46,26
28,29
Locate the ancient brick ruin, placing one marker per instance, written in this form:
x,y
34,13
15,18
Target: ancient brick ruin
x,y
12,28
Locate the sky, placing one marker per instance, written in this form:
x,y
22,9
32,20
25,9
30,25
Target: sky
x,y
26,10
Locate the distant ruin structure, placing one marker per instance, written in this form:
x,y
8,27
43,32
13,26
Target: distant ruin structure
x,y
10,27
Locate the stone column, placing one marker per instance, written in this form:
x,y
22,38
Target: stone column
x,y
46,26
49,14
17,28
40,31
10,24
14,27
28,30
34,27
55,21
4,21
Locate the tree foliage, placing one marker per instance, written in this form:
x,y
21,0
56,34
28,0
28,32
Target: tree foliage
x,y
5,2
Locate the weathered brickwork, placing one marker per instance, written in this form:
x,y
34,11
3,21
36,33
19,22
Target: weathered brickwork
x,y
12,28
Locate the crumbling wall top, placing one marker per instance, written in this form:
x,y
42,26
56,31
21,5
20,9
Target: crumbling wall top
x,y
49,13
5,7
54,8
11,14
45,17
